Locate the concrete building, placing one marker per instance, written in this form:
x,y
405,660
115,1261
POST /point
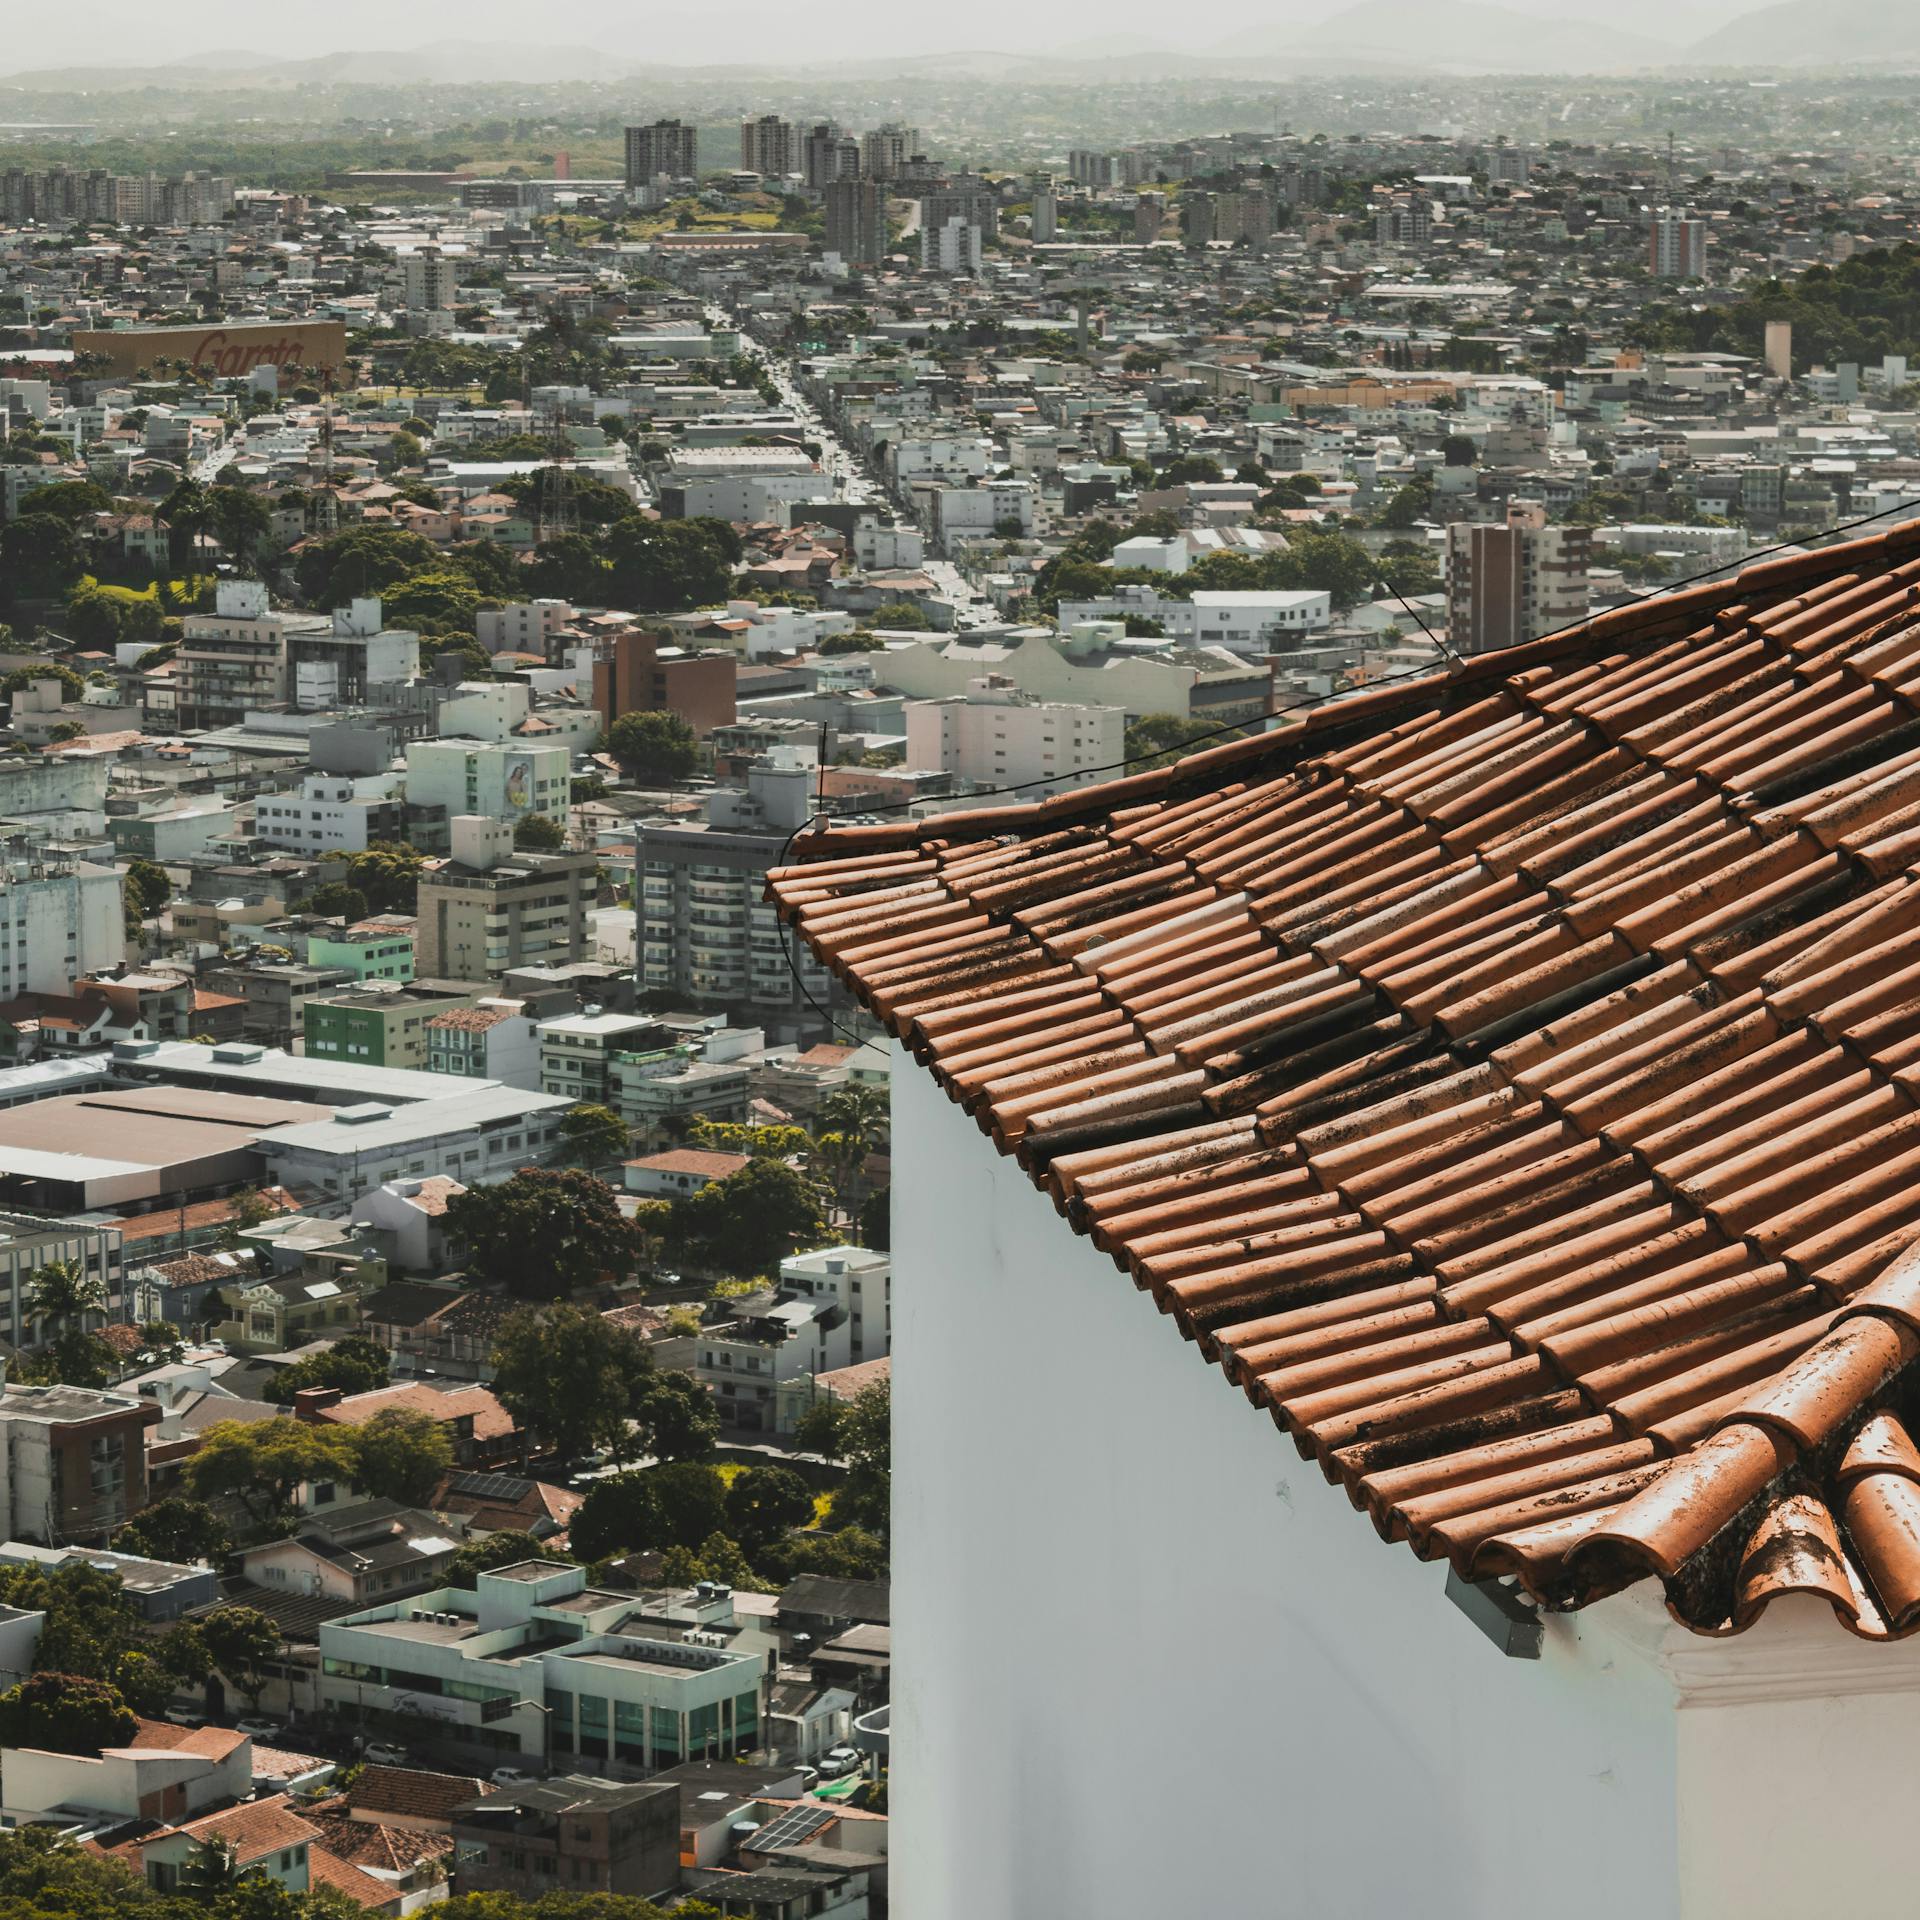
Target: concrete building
x,y
488,909
510,781
379,948
830,1309
642,673
576,1050
856,220
27,1244
666,148
534,1664
1510,583
583,1834
59,921
994,735
489,1040
1677,247
382,1023
234,660
476,1135
430,278
72,1463
333,813
769,146
525,626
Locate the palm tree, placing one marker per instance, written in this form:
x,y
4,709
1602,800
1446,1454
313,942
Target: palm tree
x,y
63,1293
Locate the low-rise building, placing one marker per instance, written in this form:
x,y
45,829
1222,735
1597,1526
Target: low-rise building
x,y
571,1832
489,1040
577,1049
534,1662
488,910
383,1024
359,1555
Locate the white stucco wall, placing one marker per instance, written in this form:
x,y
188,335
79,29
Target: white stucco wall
x,y
1147,1662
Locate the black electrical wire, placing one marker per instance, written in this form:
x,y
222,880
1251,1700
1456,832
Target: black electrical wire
x,y
1240,726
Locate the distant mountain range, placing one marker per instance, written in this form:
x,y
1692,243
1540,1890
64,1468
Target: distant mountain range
x,y
1385,36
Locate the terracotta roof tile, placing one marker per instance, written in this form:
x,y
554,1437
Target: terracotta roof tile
x,y
1509,1079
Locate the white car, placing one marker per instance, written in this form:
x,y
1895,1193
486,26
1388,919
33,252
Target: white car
x,y
511,1777
377,1753
258,1727
837,1762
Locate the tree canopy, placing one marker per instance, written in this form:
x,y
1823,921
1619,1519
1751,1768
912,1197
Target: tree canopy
x,y
545,1233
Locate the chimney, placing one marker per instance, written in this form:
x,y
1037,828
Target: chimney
x,y
309,1402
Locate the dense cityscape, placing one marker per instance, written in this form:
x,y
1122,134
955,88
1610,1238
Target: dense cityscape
x,y
597,667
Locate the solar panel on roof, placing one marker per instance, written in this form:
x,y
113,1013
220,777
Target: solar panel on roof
x,y
792,1828
490,1486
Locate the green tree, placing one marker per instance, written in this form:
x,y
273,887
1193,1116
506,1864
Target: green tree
x,y
357,1364
401,1454
241,521
149,880
387,876
1159,739
654,745
186,514
668,566
70,500
507,1549
242,1642
174,1529
337,900
535,833
65,1713
544,1234
676,1418
594,1134
900,615
571,1377
765,1502
858,1432
260,1463
676,1505
40,557
747,1223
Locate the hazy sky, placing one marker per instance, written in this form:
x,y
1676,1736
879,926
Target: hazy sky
x,y
634,32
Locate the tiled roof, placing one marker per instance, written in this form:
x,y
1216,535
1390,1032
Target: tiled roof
x,y
210,1743
256,1828
411,1792
1511,1080
327,1869
491,1421
715,1166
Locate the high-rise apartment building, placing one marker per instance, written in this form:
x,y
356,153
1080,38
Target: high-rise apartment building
x,y
828,152
666,147
1515,582
885,151
856,220
1405,220
1149,216
1046,210
430,279
769,146
1677,247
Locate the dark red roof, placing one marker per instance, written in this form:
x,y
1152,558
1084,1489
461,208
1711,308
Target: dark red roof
x,y
1508,1080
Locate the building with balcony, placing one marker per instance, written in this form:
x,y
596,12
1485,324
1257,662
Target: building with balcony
x,y
490,1040
377,949
74,1463
489,910
830,1309
577,1050
333,813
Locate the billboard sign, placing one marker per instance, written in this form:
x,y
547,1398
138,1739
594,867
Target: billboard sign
x,y
519,785
224,350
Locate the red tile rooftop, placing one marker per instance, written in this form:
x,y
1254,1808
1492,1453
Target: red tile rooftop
x,y
1510,1079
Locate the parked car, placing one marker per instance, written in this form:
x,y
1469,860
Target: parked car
x,y
838,1762
185,1716
511,1777
259,1727
377,1753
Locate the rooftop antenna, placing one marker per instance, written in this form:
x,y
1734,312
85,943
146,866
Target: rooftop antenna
x,y
559,511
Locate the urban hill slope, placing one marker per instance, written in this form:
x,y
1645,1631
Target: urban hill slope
x,y
1508,1079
